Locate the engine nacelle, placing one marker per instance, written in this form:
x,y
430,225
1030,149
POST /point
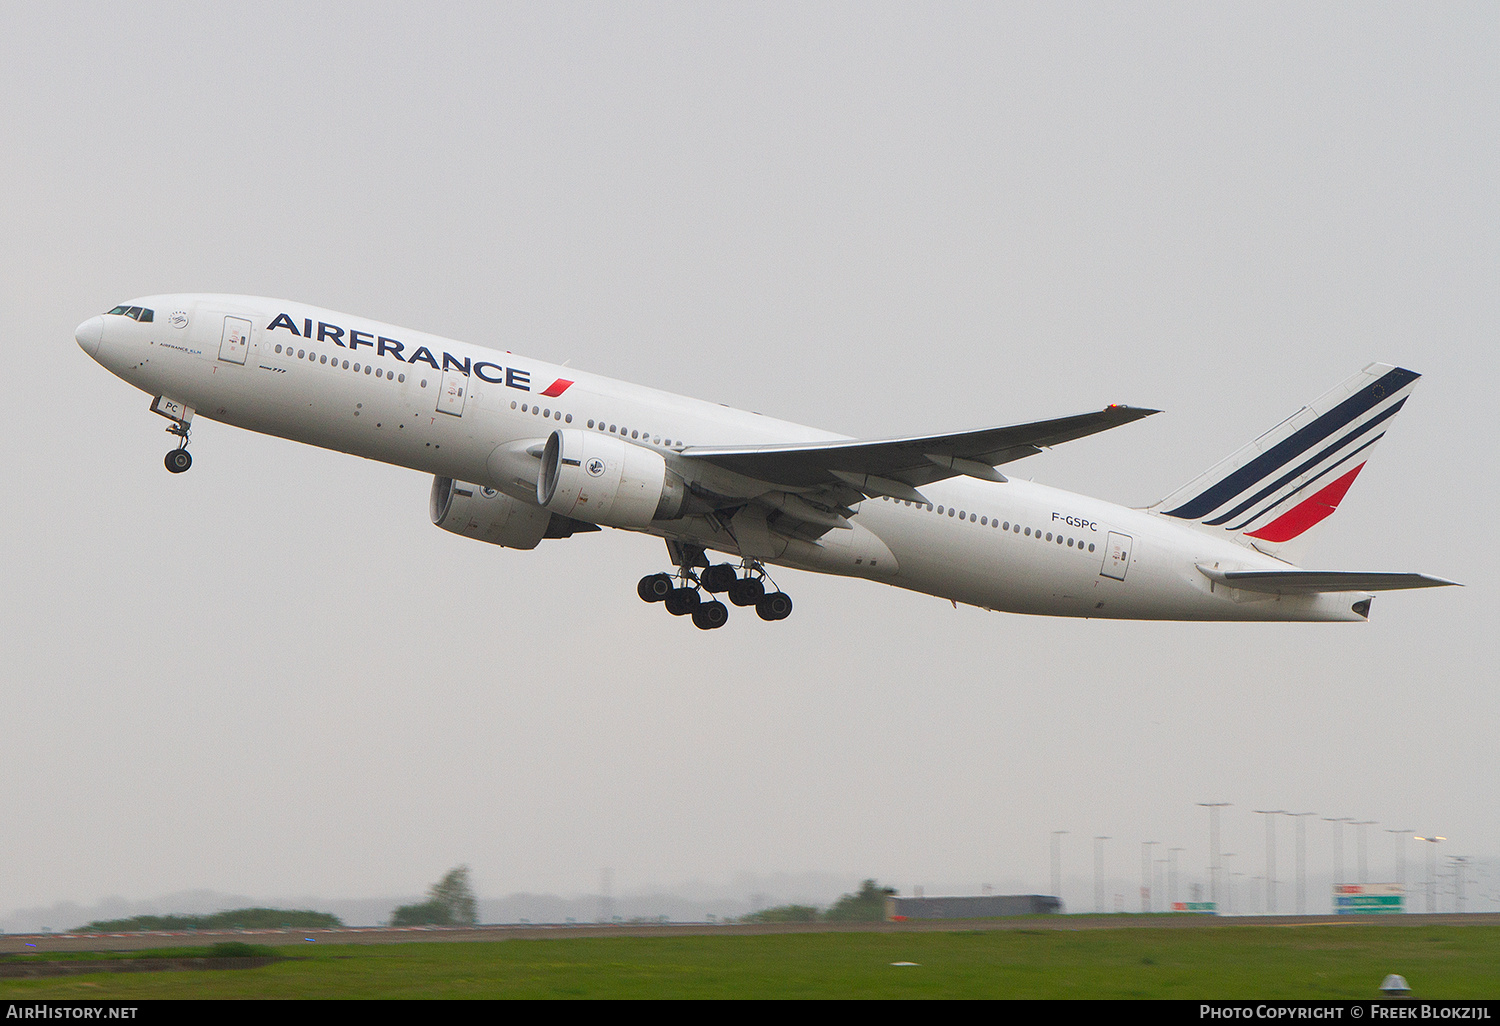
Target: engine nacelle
x,y
605,480
490,516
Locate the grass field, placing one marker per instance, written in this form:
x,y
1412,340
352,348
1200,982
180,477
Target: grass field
x,y
1231,962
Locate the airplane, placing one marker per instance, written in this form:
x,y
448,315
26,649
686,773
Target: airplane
x,y
521,451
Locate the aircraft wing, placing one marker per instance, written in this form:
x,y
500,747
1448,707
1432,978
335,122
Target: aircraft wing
x,y
1298,582
896,466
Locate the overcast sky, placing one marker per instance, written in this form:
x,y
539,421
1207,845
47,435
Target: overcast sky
x,y
273,675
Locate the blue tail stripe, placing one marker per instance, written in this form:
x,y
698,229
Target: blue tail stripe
x,y
1288,449
1303,468
1303,486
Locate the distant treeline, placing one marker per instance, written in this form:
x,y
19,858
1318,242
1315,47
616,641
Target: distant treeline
x,y
239,919
867,906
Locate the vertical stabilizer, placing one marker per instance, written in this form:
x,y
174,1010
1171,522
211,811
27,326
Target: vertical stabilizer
x,y
1272,492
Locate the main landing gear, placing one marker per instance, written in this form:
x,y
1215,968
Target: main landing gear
x,y
681,592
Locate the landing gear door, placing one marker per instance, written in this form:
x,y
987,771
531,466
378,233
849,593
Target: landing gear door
x,y
452,392
236,342
1116,556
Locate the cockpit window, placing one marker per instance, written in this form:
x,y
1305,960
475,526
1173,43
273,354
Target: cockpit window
x,y
135,313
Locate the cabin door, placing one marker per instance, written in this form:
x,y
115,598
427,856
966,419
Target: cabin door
x,y
452,392
1116,556
236,341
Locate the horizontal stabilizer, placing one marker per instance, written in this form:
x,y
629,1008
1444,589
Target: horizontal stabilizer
x,y
1302,582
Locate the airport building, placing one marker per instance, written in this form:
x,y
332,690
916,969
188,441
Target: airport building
x,y
988,906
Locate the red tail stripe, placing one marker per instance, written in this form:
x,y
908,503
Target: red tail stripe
x,y
1307,512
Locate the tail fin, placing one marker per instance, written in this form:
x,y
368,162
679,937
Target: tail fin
x,y
1274,490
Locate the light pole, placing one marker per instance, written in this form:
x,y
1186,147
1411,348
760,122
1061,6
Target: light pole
x,y
1338,848
1398,838
1099,873
1432,871
1172,877
1228,887
1057,864
1146,874
1458,881
1363,876
1213,848
1301,861
1270,856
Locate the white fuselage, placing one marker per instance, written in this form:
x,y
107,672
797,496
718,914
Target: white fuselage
x,y
445,408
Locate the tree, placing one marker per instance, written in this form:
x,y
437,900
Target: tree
x,y
867,906
783,914
450,902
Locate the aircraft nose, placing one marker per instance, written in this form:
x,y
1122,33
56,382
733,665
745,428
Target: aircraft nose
x,y
89,333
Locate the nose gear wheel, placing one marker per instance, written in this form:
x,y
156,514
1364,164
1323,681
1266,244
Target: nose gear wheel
x,y
179,459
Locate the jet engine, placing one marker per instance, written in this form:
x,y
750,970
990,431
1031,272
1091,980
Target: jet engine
x,y
606,480
492,516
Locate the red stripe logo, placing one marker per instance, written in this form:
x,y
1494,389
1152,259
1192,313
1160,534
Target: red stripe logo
x,y
557,388
1307,512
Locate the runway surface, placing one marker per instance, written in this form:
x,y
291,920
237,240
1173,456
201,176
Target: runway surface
x,y
40,943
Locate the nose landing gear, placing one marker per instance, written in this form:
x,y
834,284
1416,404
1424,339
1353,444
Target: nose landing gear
x,y
181,416
179,459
